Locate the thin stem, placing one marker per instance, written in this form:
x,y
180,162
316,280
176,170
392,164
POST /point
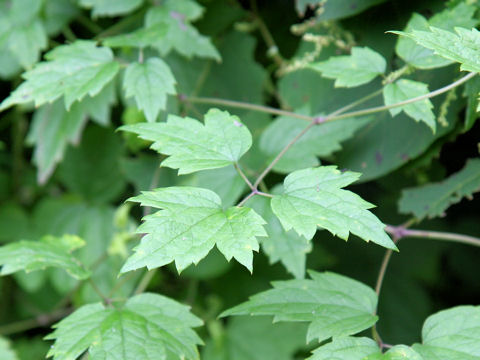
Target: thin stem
x,y
242,174
38,321
264,194
382,271
142,286
122,25
402,103
248,197
99,292
284,150
355,103
243,105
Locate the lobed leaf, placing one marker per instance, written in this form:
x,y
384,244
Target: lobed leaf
x,y
314,198
190,223
433,199
193,147
361,67
148,326
50,251
334,305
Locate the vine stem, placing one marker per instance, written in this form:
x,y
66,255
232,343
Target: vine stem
x,y
243,176
38,321
145,280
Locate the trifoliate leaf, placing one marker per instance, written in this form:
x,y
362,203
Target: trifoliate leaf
x,y
347,348
404,89
181,36
314,197
421,57
320,141
139,39
334,305
193,147
148,326
362,66
461,46
50,251
73,71
452,334
190,223
280,245
433,199
6,351
110,7
150,83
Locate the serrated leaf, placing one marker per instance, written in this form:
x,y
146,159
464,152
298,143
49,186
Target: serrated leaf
x,y
314,198
361,67
421,57
193,147
50,251
148,326
320,141
190,223
433,199
404,89
461,46
110,7
149,83
6,351
347,348
334,305
280,245
73,71
452,334
181,35
140,38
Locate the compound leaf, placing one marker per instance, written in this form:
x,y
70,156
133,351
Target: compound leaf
x,y
149,83
452,334
404,89
110,7
50,251
193,147
362,66
148,326
72,71
432,200
334,305
314,197
190,223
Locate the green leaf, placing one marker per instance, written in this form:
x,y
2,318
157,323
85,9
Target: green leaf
x,y
336,9
402,90
139,39
181,35
422,58
149,83
58,14
110,7
73,71
191,221
471,92
314,197
433,199
347,348
460,46
401,352
321,141
280,245
334,305
6,351
361,67
452,334
193,147
148,326
50,251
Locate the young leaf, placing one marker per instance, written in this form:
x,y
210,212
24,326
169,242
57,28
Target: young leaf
x,y
193,147
402,90
452,334
314,197
150,83
72,71
433,199
50,251
361,67
6,351
348,348
110,7
181,36
191,221
139,39
148,326
461,47
334,305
